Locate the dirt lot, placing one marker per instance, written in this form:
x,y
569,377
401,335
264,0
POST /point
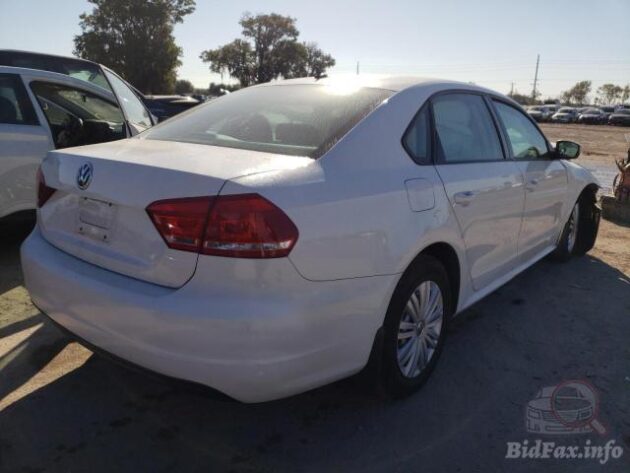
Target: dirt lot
x,y
64,409
600,143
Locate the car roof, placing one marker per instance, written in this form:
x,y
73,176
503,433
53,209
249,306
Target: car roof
x,y
392,83
59,78
9,52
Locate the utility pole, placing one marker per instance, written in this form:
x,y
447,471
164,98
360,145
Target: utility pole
x,y
357,67
535,78
512,89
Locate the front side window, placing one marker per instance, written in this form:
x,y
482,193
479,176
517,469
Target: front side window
x,y
77,117
15,105
465,130
298,120
524,138
135,110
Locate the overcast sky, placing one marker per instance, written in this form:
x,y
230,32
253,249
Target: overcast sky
x,y
492,43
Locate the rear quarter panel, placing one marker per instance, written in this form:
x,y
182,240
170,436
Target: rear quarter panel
x,y
351,206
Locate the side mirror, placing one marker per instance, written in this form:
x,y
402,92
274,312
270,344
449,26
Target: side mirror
x,y
567,150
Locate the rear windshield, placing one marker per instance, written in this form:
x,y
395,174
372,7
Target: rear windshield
x,y
565,110
299,120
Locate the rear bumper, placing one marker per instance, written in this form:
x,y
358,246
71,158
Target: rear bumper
x,y
252,329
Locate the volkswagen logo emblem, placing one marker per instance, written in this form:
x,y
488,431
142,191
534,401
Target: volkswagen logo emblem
x,y
84,176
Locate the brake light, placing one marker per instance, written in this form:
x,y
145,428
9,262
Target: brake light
x,y
248,226
237,226
43,191
181,222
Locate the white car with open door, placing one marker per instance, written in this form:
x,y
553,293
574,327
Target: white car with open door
x,y
277,238
42,110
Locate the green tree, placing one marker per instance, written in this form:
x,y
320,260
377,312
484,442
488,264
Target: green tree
x,y
577,94
183,87
135,39
609,93
268,50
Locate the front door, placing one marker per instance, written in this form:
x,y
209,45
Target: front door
x,y
546,184
485,190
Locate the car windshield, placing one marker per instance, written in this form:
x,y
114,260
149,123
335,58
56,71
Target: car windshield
x,y
623,112
592,111
299,120
565,110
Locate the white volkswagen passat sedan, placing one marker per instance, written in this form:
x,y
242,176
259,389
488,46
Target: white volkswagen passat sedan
x,y
278,238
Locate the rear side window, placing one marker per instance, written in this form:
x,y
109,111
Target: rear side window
x,y
15,105
298,120
465,130
417,138
524,138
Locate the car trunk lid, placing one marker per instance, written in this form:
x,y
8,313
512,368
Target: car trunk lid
x,y
98,211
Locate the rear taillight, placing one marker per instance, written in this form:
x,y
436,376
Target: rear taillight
x,y
237,226
43,191
181,222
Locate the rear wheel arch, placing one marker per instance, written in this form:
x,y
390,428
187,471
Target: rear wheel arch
x,y
446,255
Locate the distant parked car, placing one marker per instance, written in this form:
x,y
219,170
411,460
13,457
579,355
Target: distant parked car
x,y
607,111
620,117
540,113
565,115
592,116
131,99
42,110
166,106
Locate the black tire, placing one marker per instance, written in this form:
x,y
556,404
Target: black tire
x,y
587,227
391,379
588,224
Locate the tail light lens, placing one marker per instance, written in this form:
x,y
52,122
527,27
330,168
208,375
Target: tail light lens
x,y
43,191
237,226
181,222
248,226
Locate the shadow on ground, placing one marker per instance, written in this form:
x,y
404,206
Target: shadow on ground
x,y
552,323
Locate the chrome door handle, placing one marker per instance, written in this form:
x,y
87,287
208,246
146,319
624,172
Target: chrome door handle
x,y
464,198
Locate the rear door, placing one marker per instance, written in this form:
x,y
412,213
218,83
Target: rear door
x,y
484,189
23,144
546,181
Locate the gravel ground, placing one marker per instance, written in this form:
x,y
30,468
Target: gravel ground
x,y
600,143
64,409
